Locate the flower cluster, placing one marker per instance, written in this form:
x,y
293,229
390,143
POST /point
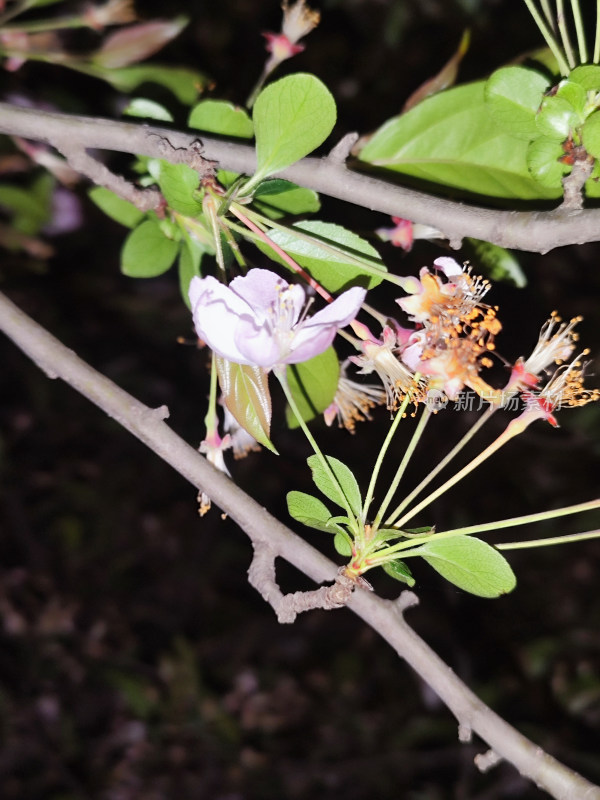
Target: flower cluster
x,y
452,341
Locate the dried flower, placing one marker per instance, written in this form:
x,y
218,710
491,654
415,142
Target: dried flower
x,y
554,346
213,448
113,12
565,389
381,356
405,232
298,21
352,401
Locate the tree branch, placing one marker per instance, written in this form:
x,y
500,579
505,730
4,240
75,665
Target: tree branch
x,y
535,231
267,532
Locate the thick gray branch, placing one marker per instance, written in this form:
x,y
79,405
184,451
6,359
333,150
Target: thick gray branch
x,y
263,529
536,231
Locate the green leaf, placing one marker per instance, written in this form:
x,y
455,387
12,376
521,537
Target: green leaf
x,y
342,544
115,207
246,394
587,76
147,252
590,134
328,253
178,182
30,208
399,571
313,384
189,265
451,139
278,197
147,109
470,564
557,118
292,117
574,94
345,486
185,84
542,160
311,511
513,96
497,263
221,117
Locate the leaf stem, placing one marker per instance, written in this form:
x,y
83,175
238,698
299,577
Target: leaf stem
x,y
441,465
280,374
581,43
509,432
596,57
549,15
236,211
381,456
528,519
418,432
549,38
365,262
568,539
564,33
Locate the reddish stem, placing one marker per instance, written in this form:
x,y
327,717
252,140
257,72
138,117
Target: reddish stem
x,y
288,259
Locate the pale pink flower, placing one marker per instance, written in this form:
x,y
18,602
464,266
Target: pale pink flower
x,y
257,319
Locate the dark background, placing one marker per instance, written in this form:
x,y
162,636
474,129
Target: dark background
x,y
135,660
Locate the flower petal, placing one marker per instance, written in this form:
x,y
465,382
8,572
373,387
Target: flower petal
x,y
216,312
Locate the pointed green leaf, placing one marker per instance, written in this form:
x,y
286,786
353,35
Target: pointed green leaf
x,y
497,263
311,511
292,117
470,564
222,118
451,139
115,207
246,394
399,571
313,384
513,96
147,252
277,198
328,253
345,485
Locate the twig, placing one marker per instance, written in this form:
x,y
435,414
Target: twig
x,y
534,231
98,173
147,425
261,576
